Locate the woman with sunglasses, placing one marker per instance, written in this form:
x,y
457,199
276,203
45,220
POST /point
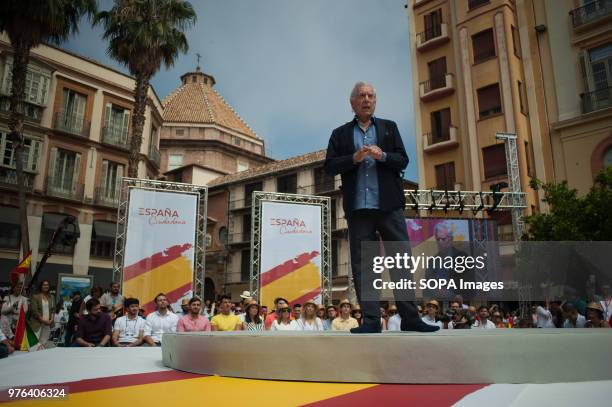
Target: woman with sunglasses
x,y
283,322
252,320
309,321
356,313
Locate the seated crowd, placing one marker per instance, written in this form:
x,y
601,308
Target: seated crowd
x,y
108,319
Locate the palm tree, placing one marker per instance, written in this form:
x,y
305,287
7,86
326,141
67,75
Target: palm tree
x,y
29,23
142,35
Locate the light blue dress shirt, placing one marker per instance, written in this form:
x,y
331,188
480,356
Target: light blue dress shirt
x,y
366,188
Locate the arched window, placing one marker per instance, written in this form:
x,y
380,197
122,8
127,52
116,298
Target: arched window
x,y
607,158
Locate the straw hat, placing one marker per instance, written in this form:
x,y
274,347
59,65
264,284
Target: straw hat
x,y
344,301
596,306
434,303
245,295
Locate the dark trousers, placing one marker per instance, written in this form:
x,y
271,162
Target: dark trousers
x,y
363,226
3,351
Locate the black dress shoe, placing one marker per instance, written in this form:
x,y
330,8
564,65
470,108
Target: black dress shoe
x,y
371,328
417,326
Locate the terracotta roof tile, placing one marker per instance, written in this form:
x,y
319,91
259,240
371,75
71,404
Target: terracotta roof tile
x,y
275,167
200,103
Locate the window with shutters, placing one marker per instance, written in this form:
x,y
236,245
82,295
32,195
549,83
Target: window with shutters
x,y
323,182
116,125
472,4
529,159
437,74
516,42
433,25
522,97
596,67
63,173
445,176
36,85
103,240
489,101
31,152
71,118
110,183
175,161
494,161
245,265
440,125
248,192
10,232
483,46
287,184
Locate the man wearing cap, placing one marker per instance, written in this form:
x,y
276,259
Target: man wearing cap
x,y
245,299
344,322
369,154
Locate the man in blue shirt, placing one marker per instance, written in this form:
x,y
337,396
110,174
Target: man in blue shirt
x,y
369,154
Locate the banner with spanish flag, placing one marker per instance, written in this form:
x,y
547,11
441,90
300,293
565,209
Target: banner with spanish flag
x,y
160,246
291,248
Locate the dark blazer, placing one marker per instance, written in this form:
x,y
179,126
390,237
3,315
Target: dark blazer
x,y
339,160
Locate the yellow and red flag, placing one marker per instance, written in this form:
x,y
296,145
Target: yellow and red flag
x,y
25,338
22,269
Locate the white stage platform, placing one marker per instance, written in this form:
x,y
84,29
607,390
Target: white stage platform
x,y
449,356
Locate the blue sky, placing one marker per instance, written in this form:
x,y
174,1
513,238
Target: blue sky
x,y
287,66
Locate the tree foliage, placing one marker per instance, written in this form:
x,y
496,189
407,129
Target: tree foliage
x,y
573,217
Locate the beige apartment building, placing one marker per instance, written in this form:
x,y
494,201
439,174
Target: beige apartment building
x,y
77,131
537,68
575,42
470,83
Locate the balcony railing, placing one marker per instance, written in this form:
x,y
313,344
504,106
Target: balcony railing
x,y
8,179
432,37
593,11
57,188
70,123
116,137
241,203
596,100
31,112
240,237
436,87
106,196
154,156
433,142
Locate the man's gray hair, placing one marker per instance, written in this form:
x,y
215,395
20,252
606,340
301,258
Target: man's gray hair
x,y
359,85
443,225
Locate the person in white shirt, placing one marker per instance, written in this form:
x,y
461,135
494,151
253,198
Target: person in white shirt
x,y
309,320
431,310
484,322
6,347
96,292
284,321
544,317
12,304
112,301
128,330
572,318
394,323
159,322
606,302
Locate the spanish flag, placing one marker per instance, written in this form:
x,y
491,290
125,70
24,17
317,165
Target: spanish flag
x,y
22,269
25,338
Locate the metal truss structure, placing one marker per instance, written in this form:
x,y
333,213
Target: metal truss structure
x,y
325,203
434,199
127,184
